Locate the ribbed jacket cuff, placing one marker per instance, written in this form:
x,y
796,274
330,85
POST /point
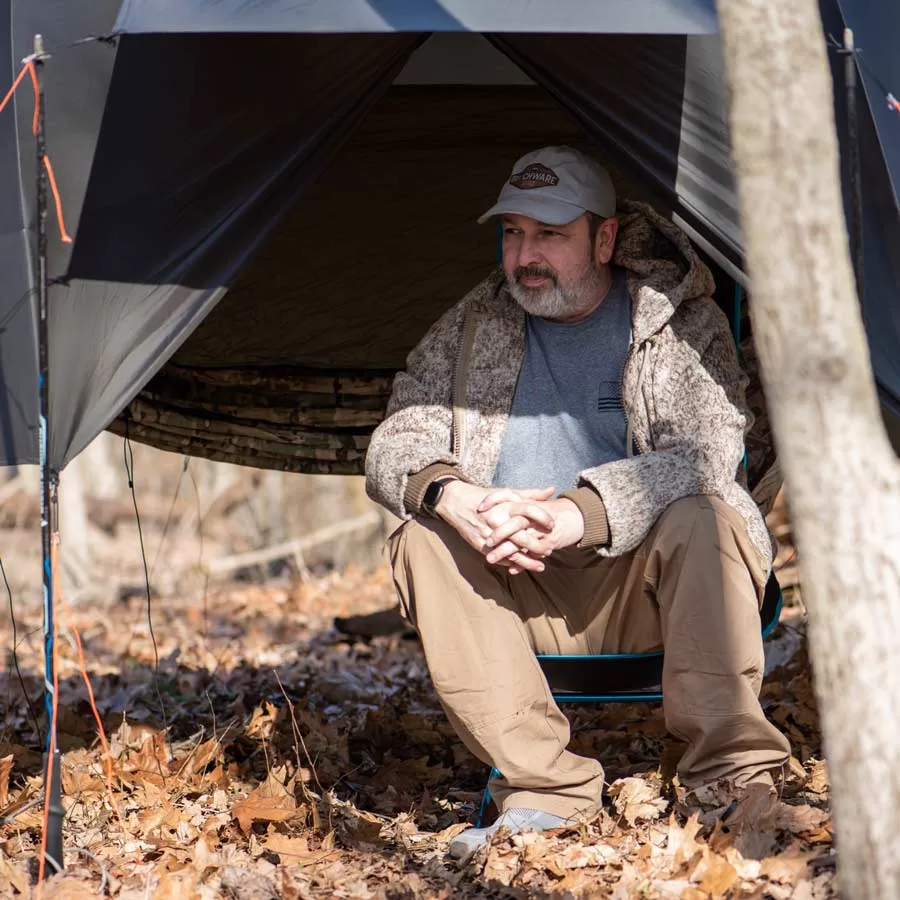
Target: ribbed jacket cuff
x,y
593,511
417,484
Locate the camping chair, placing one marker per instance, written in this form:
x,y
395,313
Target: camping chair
x,y
628,677
620,677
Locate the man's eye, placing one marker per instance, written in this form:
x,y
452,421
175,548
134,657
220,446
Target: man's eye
x,y
548,233
510,230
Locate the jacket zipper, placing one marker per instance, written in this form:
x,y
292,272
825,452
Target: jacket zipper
x,y
631,441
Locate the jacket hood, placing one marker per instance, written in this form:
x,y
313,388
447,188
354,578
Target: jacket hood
x,y
663,268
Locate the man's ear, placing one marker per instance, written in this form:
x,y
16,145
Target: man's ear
x,y
605,242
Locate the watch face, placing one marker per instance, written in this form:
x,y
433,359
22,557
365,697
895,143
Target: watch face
x,y
432,495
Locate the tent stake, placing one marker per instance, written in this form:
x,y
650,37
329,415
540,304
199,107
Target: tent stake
x,y
53,854
854,165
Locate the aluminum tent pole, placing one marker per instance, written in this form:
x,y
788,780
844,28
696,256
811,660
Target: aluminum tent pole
x,y
855,223
53,853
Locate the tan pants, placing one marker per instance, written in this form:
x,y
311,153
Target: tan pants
x,y
693,587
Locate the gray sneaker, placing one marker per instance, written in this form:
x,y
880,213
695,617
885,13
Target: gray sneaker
x,y
467,842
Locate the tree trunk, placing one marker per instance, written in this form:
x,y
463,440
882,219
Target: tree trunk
x,y
841,474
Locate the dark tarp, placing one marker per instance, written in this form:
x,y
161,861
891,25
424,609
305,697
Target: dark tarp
x,y
338,210
876,27
18,347
374,16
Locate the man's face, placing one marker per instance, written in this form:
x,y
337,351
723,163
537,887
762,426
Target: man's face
x,y
552,270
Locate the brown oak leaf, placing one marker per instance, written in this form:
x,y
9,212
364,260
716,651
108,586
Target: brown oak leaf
x,y
270,802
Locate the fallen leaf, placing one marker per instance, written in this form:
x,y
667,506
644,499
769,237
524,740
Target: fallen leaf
x,y
262,721
180,885
801,819
243,885
824,835
636,799
450,832
13,874
150,763
285,843
69,886
750,827
361,829
579,856
691,893
682,841
501,863
747,869
795,768
199,758
757,809
6,764
78,781
204,857
294,851
818,782
270,802
716,876
786,868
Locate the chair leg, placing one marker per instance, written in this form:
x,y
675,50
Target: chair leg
x,y
486,798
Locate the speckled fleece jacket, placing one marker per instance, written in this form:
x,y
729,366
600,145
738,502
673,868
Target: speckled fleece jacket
x,y
682,388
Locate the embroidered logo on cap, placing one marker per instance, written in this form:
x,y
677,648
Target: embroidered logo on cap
x,y
537,175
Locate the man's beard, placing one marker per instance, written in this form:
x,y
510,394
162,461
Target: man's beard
x,y
556,300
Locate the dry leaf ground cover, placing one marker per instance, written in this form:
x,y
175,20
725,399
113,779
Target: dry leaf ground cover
x,y
272,758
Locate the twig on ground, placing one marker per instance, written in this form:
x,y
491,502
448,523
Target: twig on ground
x,y
11,817
299,742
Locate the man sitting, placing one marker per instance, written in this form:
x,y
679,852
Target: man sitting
x,y
565,446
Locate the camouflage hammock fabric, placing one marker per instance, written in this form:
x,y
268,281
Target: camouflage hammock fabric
x,y
320,422
295,420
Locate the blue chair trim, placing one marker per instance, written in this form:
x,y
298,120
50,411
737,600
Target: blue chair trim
x,y
652,654
636,697
770,626
486,797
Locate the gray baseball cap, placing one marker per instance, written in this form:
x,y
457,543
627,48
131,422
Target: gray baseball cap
x,y
555,185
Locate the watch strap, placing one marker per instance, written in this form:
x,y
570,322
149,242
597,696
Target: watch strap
x,y
433,493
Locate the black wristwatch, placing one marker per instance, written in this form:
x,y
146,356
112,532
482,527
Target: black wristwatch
x,y
433,494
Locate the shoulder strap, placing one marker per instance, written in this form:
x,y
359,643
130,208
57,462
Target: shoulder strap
x,y
460,382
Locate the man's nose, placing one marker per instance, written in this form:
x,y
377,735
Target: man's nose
x,y
529,254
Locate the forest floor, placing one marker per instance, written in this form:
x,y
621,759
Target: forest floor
x,y
269,756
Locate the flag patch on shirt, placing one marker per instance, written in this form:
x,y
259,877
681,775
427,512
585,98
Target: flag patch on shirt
x,y
610,398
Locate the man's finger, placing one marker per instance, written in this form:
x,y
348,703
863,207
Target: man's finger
x,y
530,542
510,549
514,568
495,516
507,495
503,551
520,562
502,495
523,537
544,493
524,563
506,530
534,512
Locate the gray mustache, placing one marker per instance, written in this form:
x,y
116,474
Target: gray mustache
x,y
534,272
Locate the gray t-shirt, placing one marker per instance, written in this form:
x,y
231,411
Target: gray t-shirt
x,y
567,410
